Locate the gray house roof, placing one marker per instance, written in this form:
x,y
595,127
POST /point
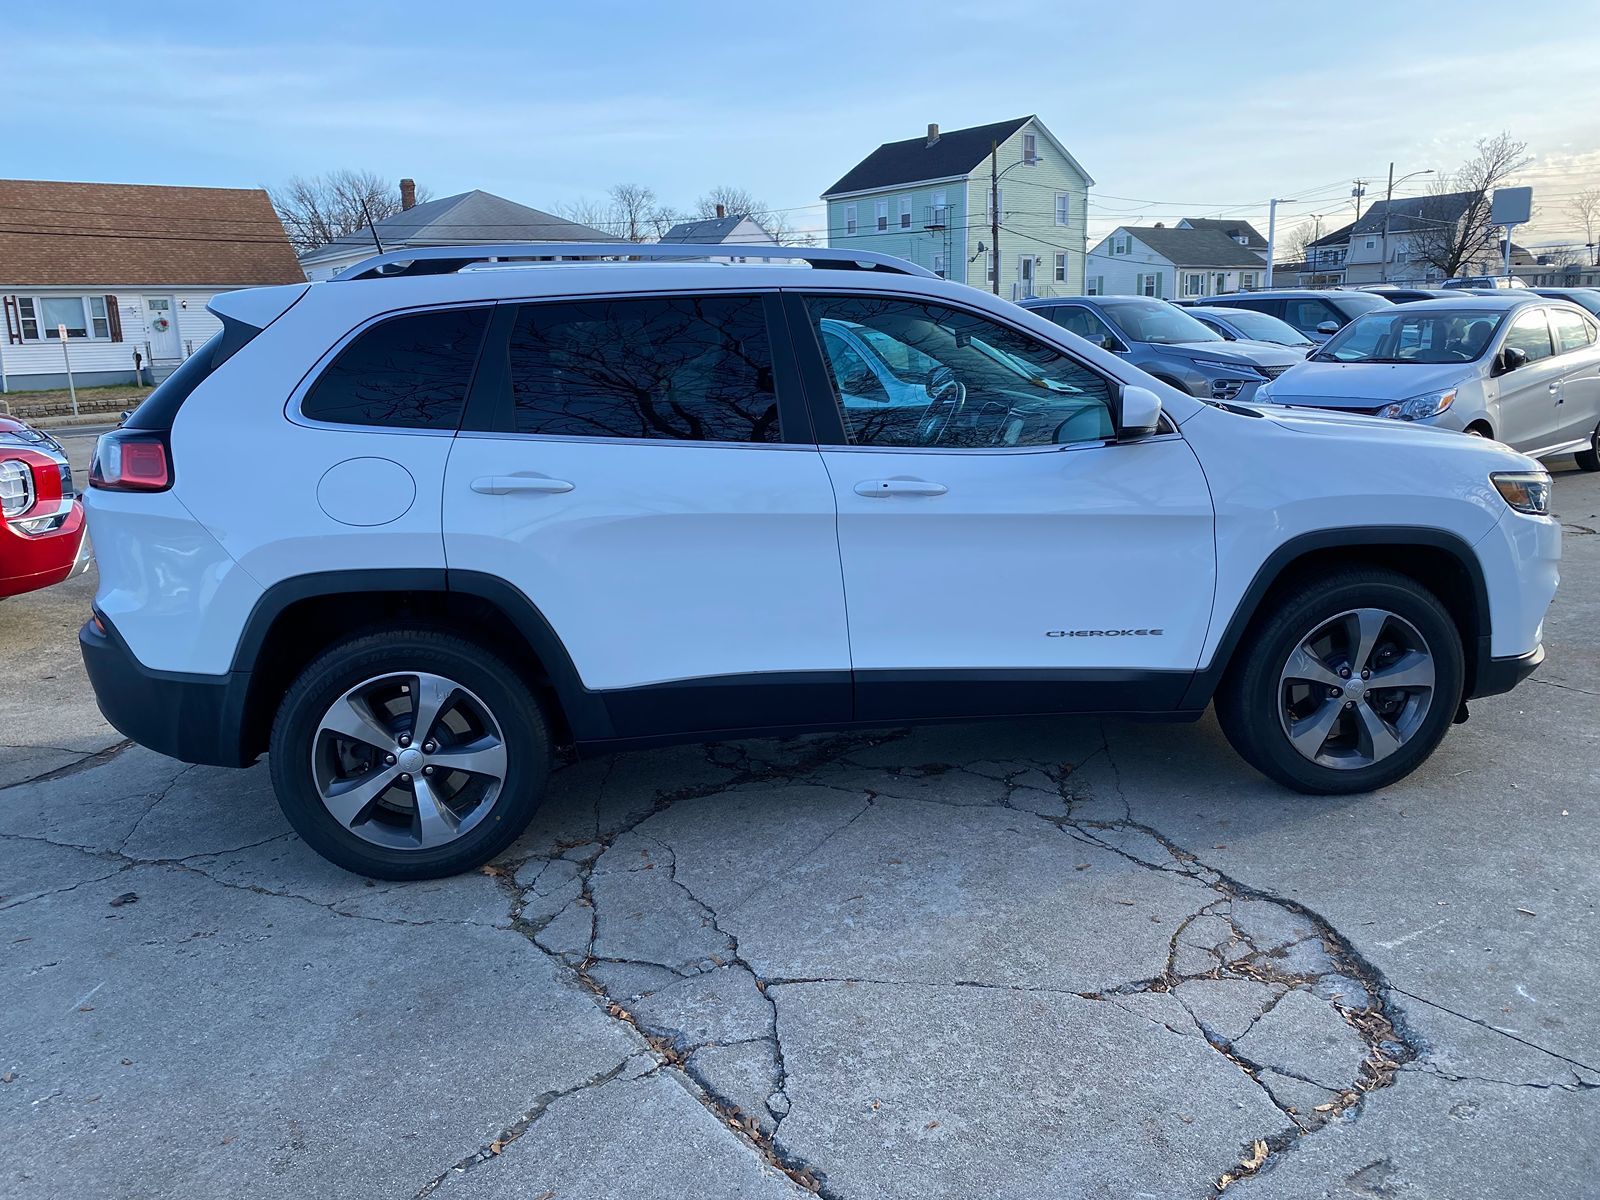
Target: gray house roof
x,y
1405,216
1195,247
1229,228
913,160
468,219
715,231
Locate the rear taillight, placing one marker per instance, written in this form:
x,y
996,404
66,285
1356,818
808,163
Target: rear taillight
x,y
131,460
16,487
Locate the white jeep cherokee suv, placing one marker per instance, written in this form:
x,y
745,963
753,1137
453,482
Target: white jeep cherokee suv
x,y
409,529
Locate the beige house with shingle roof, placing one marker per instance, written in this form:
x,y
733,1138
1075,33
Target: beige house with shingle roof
x,y
126,269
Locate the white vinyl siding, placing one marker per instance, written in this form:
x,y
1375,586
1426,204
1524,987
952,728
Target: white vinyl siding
x,y
94,354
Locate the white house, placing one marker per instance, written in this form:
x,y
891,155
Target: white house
x,y
1174,263
721,230
126,270
469,219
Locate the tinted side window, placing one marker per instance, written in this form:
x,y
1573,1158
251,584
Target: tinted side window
x,y
1572,332
411,372
1079,321
1530,334
958,380
1306,315
681,368
1272,308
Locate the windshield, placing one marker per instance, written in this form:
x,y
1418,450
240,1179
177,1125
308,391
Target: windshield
x,y
908,364
1579,296
1405,334
1354,304
1264,327
1155,321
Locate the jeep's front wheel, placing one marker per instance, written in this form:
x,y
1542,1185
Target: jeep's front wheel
x,y
1348,686
409,754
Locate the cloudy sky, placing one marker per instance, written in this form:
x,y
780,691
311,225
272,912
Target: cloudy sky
x,y
1176,109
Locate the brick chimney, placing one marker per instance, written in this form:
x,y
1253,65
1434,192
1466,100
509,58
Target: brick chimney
x,y
408,194
933,135
722,211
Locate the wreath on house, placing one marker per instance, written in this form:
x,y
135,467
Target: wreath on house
x,y
161,324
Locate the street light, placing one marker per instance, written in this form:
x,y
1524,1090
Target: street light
x,y
994,204
1388,202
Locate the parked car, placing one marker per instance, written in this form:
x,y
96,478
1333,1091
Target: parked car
x,y
1169,344
1511,366
1587,299
41,519
515,506
1317,314
1396,294
1247,325
1498,282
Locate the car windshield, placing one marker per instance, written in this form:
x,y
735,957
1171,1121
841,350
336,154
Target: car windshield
x,y
1264,327
1155,321
908,364
1406,335
1581,297
1353,304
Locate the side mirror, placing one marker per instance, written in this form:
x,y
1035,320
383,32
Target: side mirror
x,y
859,384
1138,412
1511,358
1328,327
1109,342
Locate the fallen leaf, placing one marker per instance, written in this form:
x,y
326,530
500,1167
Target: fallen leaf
x,y
1081,867
491,869
8,1077
85,1008
230,1139
877,1104
544,1196
1257,1156
125,898
496,1146
931,1125
1324,1108
127,1062
1527,912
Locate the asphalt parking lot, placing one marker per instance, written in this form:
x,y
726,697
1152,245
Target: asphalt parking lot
x,y
1057,959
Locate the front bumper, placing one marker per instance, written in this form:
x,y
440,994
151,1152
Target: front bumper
x,y
193,718
1496,676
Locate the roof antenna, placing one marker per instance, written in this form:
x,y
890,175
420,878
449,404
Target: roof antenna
x,y
366,212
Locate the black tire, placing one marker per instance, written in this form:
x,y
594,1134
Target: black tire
x,y
1589,460
1248,701
488,677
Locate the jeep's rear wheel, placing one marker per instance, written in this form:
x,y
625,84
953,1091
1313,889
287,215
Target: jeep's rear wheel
x,y
409,754
1349,686
1589,460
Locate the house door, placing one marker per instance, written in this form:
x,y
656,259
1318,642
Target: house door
x,y
162,319
1025,274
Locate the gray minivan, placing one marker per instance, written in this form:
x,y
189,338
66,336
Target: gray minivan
x,y
1166,342
1319,314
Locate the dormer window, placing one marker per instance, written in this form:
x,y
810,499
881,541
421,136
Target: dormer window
x,y
1030,148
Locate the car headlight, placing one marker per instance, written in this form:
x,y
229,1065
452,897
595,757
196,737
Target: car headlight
x,y
16,487
1526,491
1419,408
1230,370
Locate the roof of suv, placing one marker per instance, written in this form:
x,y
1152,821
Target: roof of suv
x,y
1293,293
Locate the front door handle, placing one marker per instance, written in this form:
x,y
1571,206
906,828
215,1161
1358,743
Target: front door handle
x,y
899,487
503,485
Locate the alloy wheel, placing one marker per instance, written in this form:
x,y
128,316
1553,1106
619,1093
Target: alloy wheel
x,y
409,760
1356,688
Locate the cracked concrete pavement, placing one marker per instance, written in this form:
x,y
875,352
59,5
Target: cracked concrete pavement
x,y
1064,959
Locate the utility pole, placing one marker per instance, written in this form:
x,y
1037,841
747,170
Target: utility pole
x,y
1388,203
1358,191
1272,236
994,211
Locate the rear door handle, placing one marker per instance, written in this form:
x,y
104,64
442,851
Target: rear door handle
x,y
503,485
899,487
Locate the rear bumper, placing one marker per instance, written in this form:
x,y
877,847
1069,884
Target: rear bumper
x,y
1496,676
193,718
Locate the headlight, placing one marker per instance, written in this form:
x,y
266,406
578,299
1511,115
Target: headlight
x,y
1230,370
1526,491
1419,408
16,487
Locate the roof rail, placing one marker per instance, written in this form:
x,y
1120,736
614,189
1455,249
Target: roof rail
x,y
446,260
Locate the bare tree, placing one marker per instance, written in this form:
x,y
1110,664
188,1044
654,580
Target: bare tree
x,y
1584,208
317,209
629,211
1298,244
739,202
1453,226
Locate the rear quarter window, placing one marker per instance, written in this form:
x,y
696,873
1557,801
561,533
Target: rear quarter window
x,y
408,372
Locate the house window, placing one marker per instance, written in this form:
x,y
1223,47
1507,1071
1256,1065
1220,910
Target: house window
x,y
849,220
1122,243
938,265
993,195
939,214
1063,208
905,212
882,215
1147,285
1372,243
1030,148
1221,283
84,317
1247,280
1095,285
1061,268
989,274
1193,284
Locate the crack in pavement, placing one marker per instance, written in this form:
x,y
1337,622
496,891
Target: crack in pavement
x,y
87,763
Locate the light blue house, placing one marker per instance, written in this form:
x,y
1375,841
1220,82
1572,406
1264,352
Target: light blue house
x,y
927,199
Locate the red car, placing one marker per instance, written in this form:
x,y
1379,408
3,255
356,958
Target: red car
x,y
41,519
